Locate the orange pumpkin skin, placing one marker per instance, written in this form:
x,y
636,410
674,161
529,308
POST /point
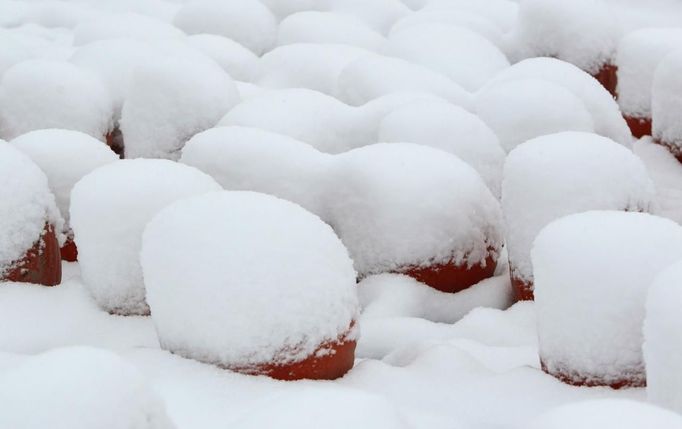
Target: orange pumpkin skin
x,y
41,264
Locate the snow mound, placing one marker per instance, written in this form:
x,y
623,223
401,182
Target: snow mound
x,y
237,61
370,77
328,27
306,65
38,94
449,128
284,8
590,313
79,388
250,159
247,22
108,224
396,295
26,204
607,414
238,290
378,14
397,205
456,18
461,54
114,61
310,116
582,32
662,343
518,110
124,25
65,157
639,54
667,103
556,175
360,409
604,110
169,101
503,13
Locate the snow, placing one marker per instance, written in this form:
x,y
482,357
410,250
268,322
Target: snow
x,y
370,77
662,345
519,110
607,118
397,205
449,128
328,27
378,14
590,314
124,25
667,102
503,13
108,224
666,173
26,204
238,290
396,295
114,62
306,65
639,54
39,94
461,54
169,101
65,157
247,22
556,175
78,388
581,32
250,159
237,61
607,414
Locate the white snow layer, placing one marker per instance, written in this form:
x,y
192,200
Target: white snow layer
x,y
79,388
592,273
662,342
581,32
38,94
607,414
247,22
518,110
556,175
606,116
667,102
109,210
639,54
26,205
229,281
169,101
65,156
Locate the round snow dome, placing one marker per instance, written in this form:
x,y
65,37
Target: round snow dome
x,y
39,94
662,341
79,388
592,274
65,156
29,222
607,414
109,210
552,176
667,104
251,283
412,209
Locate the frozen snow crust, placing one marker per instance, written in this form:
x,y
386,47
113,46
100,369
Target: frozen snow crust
x,y
109,210
592,274
79,388
662,344
26,206
556,175
239,290
394,205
